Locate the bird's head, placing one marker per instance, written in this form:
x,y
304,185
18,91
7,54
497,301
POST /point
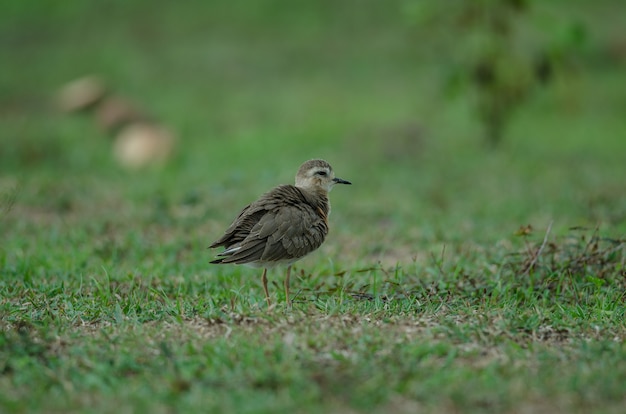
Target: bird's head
x,y
317,175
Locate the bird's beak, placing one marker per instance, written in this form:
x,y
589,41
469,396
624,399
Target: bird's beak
x,y
340,181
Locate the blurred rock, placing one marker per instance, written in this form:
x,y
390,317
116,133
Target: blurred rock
x,y
114,112
81,94
142,144
138,140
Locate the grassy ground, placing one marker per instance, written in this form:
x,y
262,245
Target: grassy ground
x,y
428,295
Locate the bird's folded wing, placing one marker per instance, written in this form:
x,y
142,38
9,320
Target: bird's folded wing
x,y
292,232
284,233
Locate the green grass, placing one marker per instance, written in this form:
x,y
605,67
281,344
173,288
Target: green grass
x,y
422,299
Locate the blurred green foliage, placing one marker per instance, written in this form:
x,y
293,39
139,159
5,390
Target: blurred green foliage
x,y
499,51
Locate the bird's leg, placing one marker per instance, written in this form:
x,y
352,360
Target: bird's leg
x,y
287,287
267,294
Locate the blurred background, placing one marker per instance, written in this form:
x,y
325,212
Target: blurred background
x,y
454,121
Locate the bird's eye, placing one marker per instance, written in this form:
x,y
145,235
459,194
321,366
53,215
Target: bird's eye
x,y
322,173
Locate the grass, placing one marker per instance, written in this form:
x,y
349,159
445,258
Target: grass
x,y
431,294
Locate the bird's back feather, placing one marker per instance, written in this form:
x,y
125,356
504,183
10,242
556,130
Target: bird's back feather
x,y
283,225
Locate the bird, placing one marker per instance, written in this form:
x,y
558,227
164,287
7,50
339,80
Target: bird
x,y
283,225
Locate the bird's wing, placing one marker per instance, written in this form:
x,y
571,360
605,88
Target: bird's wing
x,y
287,228
292,232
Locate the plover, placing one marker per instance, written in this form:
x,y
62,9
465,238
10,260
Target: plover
x,y
283,225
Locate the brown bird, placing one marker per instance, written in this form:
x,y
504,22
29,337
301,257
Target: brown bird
x,y
283,225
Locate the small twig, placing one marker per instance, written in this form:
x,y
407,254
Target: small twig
x,y
439,264
543,245
8,200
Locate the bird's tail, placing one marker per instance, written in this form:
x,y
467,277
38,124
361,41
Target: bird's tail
x,y
225,254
